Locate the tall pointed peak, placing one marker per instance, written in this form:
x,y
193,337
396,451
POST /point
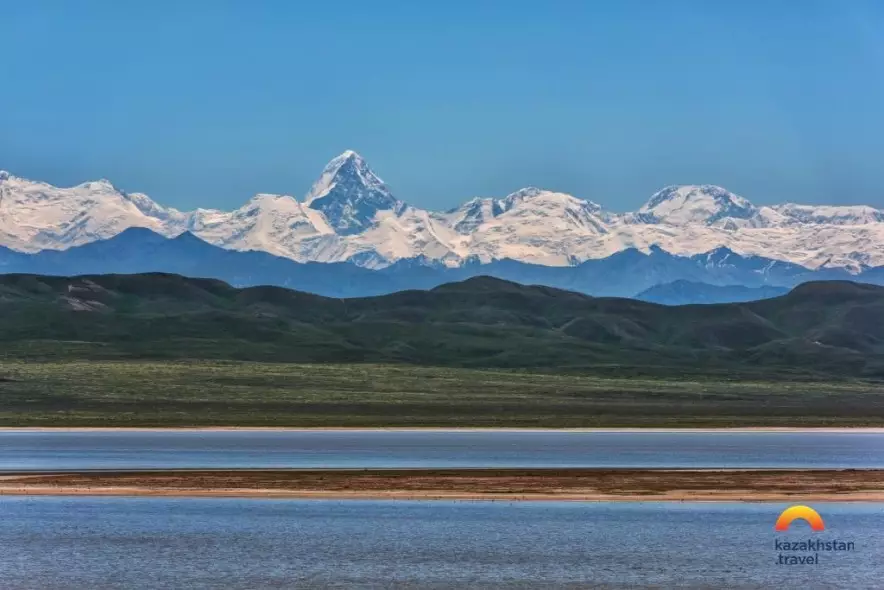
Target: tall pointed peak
x,y
349,155
349,194
347,165
344,158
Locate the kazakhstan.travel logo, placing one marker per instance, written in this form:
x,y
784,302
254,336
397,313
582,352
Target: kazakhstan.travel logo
x,y
795,551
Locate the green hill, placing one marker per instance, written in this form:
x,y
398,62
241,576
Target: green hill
x,y
821,328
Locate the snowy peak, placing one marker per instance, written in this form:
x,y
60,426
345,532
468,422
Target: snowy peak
x,y
543,203
469,216
267,222
697,204
523,194
831,215
347,164
530,225
37,215
349,194
272,201
528,205
282,211
150,208
101,186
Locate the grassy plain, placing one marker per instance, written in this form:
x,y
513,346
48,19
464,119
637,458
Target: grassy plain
x,y
124,393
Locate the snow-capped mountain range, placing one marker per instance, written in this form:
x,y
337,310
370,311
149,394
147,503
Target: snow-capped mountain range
x,y
350,214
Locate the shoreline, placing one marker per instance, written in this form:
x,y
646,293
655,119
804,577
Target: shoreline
x,y
625,430
724,497
584,485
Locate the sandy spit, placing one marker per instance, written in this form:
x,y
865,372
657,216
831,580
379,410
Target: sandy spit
x,y
845,429
587,485
710,496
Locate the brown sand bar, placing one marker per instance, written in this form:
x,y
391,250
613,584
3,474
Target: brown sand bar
x,y
726,485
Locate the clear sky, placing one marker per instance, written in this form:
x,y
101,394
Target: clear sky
x,y
204,103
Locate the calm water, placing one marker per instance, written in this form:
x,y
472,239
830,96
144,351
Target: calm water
x,y
190,449
134,543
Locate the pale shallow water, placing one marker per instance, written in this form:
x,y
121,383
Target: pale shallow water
x,y
160,543
46,450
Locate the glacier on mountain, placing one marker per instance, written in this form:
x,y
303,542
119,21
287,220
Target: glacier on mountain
x,y
350,214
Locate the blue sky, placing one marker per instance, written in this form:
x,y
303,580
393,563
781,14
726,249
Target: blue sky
x,y
204,103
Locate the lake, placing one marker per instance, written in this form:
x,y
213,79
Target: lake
x,y
153,543
47,450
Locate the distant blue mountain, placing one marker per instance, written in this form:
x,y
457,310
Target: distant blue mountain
x,y
139,250
629,272
624,274
683,292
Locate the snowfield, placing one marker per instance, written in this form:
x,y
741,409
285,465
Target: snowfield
x,y
349,214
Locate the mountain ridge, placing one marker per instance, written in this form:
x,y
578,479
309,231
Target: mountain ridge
x,y
625,273
350,214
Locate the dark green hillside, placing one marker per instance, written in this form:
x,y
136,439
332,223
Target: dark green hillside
x,y
164,350
834,328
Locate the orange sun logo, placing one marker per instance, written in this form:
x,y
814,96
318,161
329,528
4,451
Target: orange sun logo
x,y
806,513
